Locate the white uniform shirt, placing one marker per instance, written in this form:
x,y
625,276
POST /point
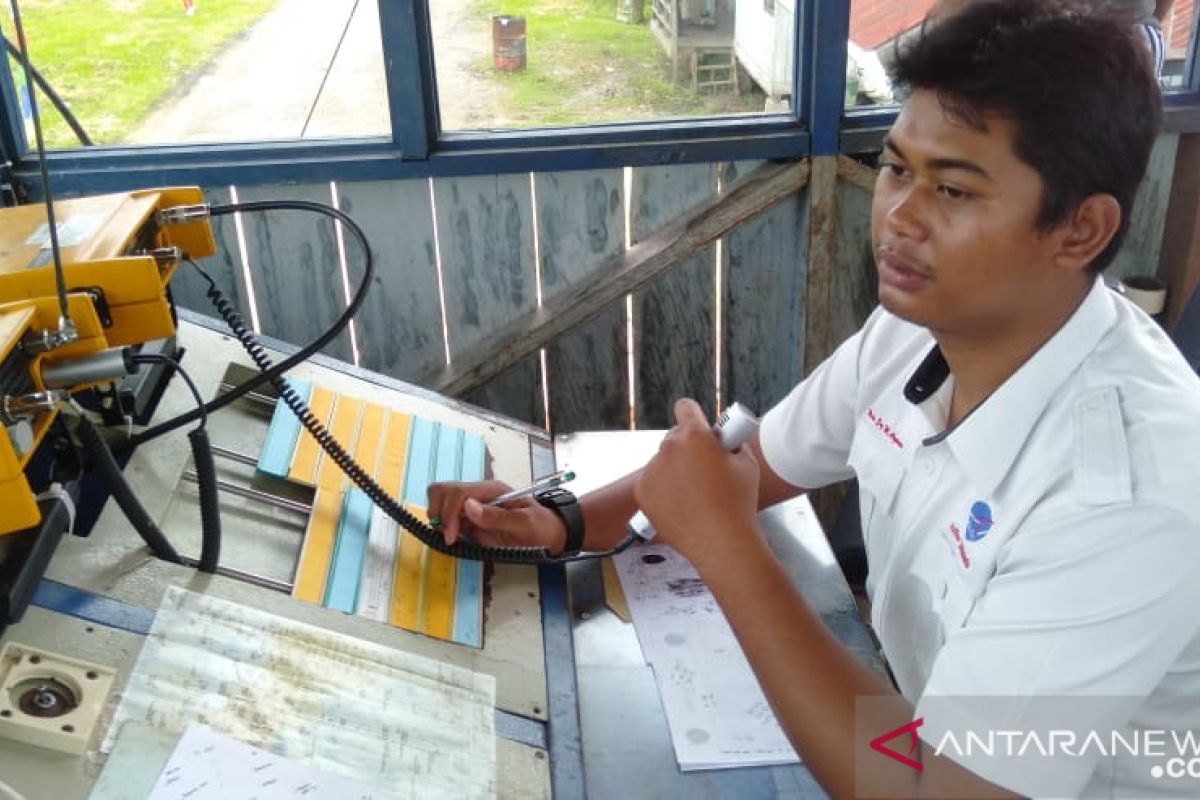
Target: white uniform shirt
x,y
1049,544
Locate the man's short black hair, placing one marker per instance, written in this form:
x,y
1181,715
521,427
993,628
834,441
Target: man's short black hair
x,y
1076,83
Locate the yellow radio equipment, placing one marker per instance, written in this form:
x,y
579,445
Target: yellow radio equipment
x,y
118,253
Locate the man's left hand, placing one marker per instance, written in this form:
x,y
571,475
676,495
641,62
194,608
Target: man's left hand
x,y
701,499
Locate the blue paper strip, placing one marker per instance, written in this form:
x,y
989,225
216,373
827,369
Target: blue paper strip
x,y
421,452
282,435
469,588
345,572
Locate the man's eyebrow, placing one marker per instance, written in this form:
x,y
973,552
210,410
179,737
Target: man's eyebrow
x,y
940,163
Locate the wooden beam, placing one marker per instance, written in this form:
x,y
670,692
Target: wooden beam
x,y
822,257
819,310
856,173
1179,264
674,244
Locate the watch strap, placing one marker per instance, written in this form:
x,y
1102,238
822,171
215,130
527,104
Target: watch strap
x,y
564,503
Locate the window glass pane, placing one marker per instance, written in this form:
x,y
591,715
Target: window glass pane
x,y
180,71
536,63
1177,28
875,25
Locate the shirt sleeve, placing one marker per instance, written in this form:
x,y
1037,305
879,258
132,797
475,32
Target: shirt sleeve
x,y
805,438
1084,617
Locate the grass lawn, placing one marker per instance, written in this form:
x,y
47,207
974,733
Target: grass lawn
x,y
111,60
582,65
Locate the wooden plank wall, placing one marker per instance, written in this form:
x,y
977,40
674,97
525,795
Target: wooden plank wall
x,y
764,274
581,221
498,239
485,236
399,329
1143,247
855,292
674,328
295,266
477,243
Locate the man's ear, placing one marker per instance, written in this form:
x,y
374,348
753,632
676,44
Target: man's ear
x,y
1088,231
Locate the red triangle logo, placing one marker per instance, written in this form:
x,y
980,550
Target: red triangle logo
x,y
911,729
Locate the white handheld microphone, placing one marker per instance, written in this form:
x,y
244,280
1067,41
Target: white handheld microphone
x,y
733,428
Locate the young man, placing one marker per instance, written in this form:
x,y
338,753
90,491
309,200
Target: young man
x,y
1025,442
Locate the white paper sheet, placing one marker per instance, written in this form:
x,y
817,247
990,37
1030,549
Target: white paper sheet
x,y
422,728
716,711
208,766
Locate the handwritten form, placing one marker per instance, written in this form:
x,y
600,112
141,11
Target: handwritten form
x,y
206,766
409,726
716,711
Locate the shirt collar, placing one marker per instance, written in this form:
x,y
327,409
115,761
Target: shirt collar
x,y
988,440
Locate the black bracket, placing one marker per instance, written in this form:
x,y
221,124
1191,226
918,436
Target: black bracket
x,y
99,301
8,185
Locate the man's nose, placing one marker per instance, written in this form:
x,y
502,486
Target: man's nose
x,y
906,213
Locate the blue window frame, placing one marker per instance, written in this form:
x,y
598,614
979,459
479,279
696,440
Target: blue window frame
x,y
417,147
817,124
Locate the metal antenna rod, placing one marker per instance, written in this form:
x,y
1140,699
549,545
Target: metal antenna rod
x,y
66,328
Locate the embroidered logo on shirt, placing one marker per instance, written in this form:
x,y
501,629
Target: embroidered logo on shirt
x,y
884,428
979,522
956,532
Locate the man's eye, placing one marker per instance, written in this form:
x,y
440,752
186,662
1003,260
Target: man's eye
x,y
892,170
951,193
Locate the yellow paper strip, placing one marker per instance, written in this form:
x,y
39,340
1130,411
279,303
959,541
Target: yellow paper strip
x,y
394,453
343,425
304,460
438,609
370,438
313,568
406,588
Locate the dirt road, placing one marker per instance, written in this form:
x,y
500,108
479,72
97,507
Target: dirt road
x,y
288,78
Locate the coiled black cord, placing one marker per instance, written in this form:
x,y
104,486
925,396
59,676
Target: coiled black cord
x,y
272,373
301,355
210,503
346,462
206,469
98,456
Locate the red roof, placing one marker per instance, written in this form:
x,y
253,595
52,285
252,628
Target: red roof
x,y
875,22
1178,26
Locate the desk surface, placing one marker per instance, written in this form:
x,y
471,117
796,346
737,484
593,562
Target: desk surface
x,y
120,585
601,723
626,744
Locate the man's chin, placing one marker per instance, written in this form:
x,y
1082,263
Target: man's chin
x,y
901,304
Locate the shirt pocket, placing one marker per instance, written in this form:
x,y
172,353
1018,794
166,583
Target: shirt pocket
x,y
962,590
879,469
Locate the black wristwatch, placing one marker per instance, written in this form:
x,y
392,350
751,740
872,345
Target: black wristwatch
x,y
566,506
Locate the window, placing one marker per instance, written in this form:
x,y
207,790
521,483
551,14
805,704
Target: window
x,y
876,26
1178,28
538,63
379,89
187,71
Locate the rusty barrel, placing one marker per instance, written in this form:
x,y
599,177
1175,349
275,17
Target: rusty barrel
x,y
508,43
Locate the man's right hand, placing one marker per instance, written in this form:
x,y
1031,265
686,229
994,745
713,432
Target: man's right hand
x,y
519,523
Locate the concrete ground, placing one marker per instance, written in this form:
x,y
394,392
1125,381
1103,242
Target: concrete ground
x,y
268,84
